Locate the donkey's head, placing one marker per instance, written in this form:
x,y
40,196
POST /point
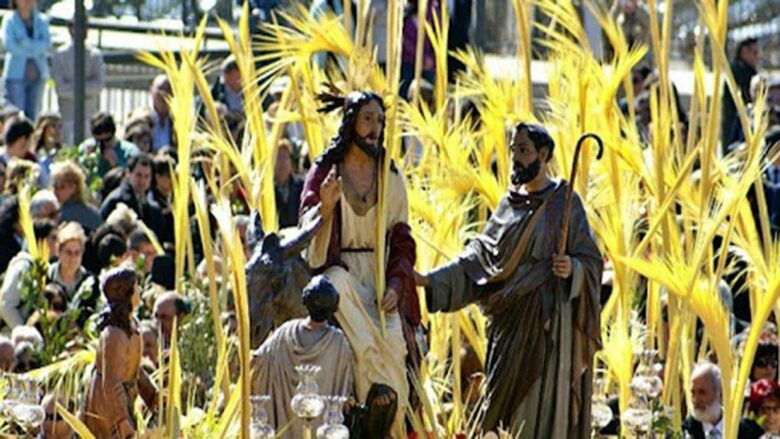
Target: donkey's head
x,y
276,275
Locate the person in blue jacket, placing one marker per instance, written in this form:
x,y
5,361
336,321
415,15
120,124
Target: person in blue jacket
x,y
27,41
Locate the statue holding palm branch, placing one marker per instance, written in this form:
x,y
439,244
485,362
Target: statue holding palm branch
x,y
341,191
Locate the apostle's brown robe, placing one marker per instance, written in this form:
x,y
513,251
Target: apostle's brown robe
x,y
542,330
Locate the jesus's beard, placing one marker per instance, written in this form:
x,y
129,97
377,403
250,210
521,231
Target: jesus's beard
x,y
371,149
710,414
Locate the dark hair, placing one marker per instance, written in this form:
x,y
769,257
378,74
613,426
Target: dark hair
x,y
744,43
52,290
136,238
351,105
102,122
42,228
43,123
111,181
139,159
16,128
764,351
26,349
9,214
229,64
162,165
760,392
110,246
118,287
539,136
320,298
182,306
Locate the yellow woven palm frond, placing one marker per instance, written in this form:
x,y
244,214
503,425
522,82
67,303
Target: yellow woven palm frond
x,y
234,252
222,375
617,353
283,46
26,223
74,422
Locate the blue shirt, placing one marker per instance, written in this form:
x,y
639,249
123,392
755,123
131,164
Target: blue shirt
x,y
161,134
20,47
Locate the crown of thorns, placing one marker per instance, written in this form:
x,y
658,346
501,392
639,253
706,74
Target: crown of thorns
x,y
334,99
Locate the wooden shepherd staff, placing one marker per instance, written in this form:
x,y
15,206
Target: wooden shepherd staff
x,y
570,190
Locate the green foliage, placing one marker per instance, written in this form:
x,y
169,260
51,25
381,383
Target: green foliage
x,y
198,346
59,331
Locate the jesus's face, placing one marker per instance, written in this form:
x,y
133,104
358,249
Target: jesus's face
x,y
368,127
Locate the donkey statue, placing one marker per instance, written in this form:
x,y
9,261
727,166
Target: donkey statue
x,y
275,276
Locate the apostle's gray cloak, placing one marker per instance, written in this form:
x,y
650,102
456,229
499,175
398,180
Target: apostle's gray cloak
x,y
290,345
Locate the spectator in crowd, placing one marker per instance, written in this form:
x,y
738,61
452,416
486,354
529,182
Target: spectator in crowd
x,y
57,301
27,42
228,88
26,355
149,337
44,205
111,251
139,132
773,98
140,248
706,421
55,427
287,186
162,126
112,152
634,19
16,135
744,67
161,195
459,35
377,13
63,72
765,404
46,141
170,306
765,361
26,334
12,309
772,183
8,111
21,172
7,357
409,45
67,182
68,271
11,239
124,220
290,130
132,192
264,11
638,78
3,168
111,181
